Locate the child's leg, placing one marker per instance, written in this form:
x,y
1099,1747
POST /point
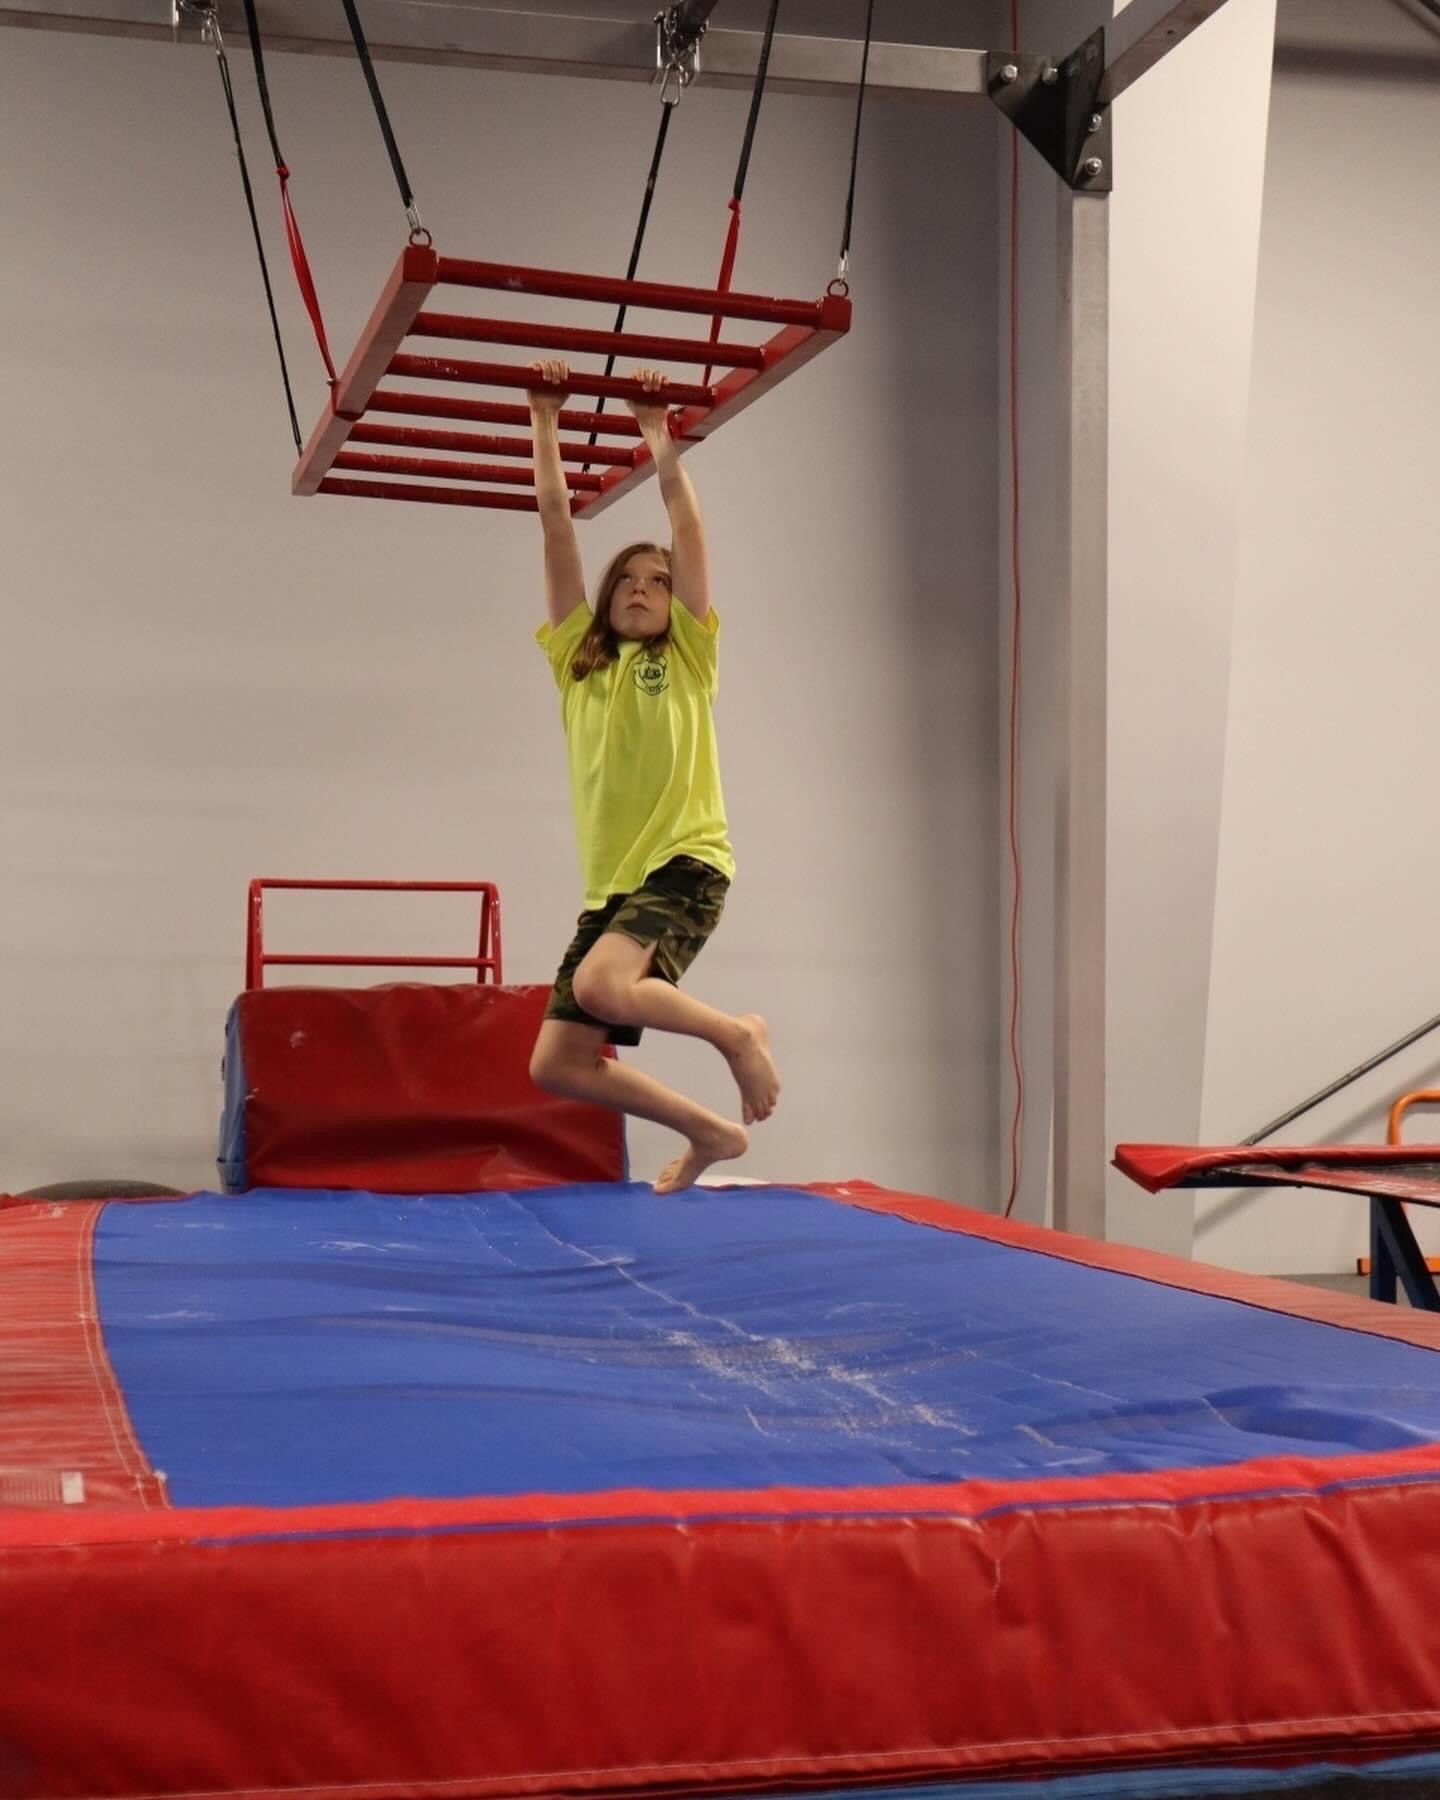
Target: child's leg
x,y
569,1060
614,983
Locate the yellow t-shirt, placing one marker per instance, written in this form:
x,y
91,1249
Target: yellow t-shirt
x,y
644,767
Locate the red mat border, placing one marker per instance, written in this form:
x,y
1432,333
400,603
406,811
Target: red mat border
x,y
77,1357
979,1629
1349,1312
62,1412
622,1659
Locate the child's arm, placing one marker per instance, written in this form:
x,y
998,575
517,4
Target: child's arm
x,y
689,563
564,572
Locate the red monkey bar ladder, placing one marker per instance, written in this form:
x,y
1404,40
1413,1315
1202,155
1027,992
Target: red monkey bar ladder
x,y
363,413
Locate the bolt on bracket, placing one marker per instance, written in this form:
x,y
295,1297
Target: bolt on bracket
x,y
1055,103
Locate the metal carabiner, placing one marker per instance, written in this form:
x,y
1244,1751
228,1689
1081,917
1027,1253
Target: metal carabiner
x,y
200,13
678,63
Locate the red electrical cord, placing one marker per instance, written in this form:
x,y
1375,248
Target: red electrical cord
x,y
1013,755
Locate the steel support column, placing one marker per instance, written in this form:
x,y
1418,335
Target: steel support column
x,y
1082,511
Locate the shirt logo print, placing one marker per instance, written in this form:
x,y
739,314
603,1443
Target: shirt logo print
x,y
651,674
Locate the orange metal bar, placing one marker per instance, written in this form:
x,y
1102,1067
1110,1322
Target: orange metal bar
x,y
1363,1265
1421,1097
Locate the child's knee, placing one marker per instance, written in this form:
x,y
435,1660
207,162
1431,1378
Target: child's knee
x,y
602,993
550,1070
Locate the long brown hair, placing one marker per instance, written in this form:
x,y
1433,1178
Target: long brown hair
x,y
600,645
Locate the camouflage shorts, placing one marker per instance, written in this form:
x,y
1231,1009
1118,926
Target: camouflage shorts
x,y
676,910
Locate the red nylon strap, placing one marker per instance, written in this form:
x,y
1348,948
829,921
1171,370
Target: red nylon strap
x,y
727,269
304,279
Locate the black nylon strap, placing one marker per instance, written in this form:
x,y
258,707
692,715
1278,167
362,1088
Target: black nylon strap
x,y
855,146
692,16
229,89
634,263
357,31
645,204
757,94
252,25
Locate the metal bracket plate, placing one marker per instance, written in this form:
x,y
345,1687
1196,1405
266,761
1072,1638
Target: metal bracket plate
x,y
677,51
1056,105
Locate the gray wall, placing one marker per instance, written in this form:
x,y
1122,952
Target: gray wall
x,y
1324,933
1273,462
204,680
1186,244
1184,225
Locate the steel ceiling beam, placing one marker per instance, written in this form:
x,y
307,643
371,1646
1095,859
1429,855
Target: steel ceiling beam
x,y
1143,34
450,31
539,43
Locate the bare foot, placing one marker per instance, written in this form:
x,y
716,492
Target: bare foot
x,y
754,1070
720,1144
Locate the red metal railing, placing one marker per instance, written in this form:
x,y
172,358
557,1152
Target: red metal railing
x,y
589,343
806,328
486,963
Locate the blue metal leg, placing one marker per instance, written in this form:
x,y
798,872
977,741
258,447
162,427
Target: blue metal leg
x,y
1395,1253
